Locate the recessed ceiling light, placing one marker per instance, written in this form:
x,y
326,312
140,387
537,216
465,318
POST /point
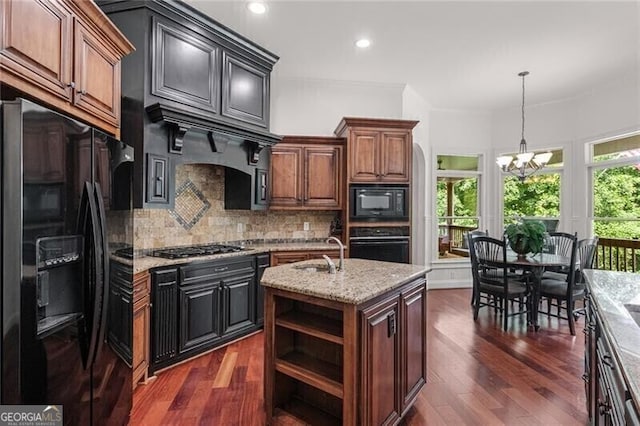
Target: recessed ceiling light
x,y
257,7
363,43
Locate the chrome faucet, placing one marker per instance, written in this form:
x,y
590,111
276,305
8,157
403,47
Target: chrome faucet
x,y
341,263
330,264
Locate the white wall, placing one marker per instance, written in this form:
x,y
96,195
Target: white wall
x,y
315,107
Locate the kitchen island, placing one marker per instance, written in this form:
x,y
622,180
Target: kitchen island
x,y
612,347
345,348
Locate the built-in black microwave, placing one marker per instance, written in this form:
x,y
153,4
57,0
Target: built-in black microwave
x,y
379,202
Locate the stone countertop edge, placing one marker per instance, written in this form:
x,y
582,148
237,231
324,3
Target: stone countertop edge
x,y
141,264
362,279
610,291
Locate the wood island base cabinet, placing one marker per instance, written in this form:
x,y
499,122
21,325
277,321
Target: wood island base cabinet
x,y
328,362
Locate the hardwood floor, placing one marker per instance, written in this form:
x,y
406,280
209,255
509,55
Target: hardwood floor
x,y
477,375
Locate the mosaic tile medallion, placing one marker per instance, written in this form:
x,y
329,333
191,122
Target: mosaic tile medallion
x,y
190,205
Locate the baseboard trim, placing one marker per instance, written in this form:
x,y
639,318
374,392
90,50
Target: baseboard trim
x,y
446,284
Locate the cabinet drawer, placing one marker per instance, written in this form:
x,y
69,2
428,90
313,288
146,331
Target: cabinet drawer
x,y
216,270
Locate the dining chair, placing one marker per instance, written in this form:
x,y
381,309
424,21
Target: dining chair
x,y
560,243
561,290
469,237
492,278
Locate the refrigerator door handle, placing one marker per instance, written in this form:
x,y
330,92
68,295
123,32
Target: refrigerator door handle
x,y
102,286
94,285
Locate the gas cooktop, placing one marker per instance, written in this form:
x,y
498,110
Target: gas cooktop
x,y
193,251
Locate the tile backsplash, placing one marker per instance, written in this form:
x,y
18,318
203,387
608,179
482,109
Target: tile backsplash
x,y
199,216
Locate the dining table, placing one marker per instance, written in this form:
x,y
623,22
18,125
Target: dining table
x,y
536,265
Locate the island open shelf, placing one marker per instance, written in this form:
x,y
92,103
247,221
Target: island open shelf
x,y
347,348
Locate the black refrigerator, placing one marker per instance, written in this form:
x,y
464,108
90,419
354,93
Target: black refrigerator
x,y
65,208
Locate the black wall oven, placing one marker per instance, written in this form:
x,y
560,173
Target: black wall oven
x,y
390,244
379,202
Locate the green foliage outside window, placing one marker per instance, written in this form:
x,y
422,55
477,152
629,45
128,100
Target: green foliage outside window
x,y
616,194
538,196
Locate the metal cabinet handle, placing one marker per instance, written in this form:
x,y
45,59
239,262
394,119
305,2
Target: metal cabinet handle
x,y
224,268
72,84
83,92
606,360
604,407
585,377
391,324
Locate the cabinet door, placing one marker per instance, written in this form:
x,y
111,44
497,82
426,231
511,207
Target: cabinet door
x,y
119,323
323,177
364,161
262,261
414,342
199,315
36,44
395,157
286,176
141,323
288,257
164,314
96,75
245,91
238,310
380,363
184,67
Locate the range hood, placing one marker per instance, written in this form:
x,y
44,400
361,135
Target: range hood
x,y
195,138
219,132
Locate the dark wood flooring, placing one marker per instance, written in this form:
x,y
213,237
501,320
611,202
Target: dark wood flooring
x,y
477,375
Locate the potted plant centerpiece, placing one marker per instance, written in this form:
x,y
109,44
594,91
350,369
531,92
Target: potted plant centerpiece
x,y
526,236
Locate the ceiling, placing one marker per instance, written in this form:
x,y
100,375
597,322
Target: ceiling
x,y
455,54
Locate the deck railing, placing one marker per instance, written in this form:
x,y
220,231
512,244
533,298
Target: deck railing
x,y
455,233
618,255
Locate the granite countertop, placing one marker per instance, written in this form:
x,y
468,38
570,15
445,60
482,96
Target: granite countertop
x,y
610,291
143,263
360,281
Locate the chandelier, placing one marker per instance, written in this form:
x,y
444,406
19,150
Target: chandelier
x,y
525,163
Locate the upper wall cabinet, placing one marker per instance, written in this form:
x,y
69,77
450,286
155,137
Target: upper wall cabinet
x,y
307,174
379,150
197,84
245,91
65,53
193,92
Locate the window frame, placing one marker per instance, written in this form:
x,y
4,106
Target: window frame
x,y
478,174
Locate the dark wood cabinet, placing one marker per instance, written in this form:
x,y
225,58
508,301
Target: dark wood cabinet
x,y
245,90
120,310
380,363
262,263
164,315
201,305
307,174
413,341
194,91
284,257
141,326
75,68
238,299
197,84
199,315
380,156
346,364
609,401
380,150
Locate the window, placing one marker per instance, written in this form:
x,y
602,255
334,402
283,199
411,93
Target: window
x,y
538,197
615,189
457,205
615,202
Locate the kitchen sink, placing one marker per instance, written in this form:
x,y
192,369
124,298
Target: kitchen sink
x,y
313,267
